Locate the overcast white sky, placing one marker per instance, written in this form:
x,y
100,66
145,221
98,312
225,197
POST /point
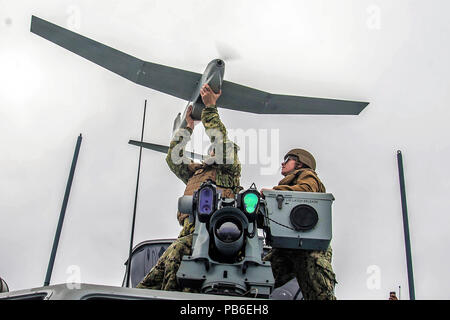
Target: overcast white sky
x,y
393,54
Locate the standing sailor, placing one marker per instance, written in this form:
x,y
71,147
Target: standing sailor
x,y
222,166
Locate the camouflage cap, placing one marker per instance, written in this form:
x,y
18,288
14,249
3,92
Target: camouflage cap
x,y
303,156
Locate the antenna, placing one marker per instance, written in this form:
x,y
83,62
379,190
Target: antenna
x,y
412,295
62,213
135,200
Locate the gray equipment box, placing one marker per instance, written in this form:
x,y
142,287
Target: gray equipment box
x,y
298,220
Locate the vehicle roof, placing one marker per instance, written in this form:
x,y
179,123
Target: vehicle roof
x,y
85,291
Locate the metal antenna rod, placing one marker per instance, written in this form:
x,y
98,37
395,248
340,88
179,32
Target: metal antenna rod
x,y
62,214
135,200
412,295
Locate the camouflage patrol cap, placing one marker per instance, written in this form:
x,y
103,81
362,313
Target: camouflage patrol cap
x,y
303,156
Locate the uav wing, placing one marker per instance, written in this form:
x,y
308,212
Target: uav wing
x,y
163,149
172,81
241,98
182,84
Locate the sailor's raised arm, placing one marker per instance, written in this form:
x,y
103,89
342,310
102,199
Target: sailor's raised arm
x,y
176,158
210,116
217,131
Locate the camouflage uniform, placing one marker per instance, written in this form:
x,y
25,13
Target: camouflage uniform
x,y
163,275
313,269
224,171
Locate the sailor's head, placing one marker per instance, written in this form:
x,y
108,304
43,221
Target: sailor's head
x,y
297,159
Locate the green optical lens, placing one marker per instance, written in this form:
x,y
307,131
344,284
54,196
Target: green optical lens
x,y
250,202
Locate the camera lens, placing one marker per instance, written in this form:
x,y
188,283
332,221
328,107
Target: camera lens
x,y
303,217
228,232
227,229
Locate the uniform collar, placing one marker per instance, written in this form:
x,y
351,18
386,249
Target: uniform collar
x,y
291,176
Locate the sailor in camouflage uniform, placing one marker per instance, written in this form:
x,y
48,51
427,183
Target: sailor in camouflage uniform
x,y
313,269
222,167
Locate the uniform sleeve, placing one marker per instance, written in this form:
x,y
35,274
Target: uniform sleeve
x,y
177,161
217,134
213,125
306,182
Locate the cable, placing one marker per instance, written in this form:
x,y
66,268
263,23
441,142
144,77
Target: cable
x,y
281,224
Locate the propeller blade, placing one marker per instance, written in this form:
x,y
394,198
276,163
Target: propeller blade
x,y
175,82
226,52
163,149
242,98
